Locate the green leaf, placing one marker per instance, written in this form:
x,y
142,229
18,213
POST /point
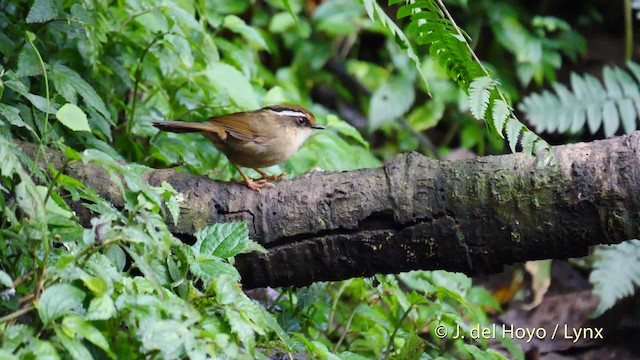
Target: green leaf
x,y
426,116
501,112
479,94
228,79
616,273
5,279
627,115
611,118
513,129
42,11
223,240
345,129
12,115
59,300
75,347
68,83
37,101
51,206
167,336
528,138
207,268
28,63
238,26
390,101
101,308
74,324
71,116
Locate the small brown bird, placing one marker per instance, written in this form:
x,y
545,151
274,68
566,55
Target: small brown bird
x,y
254,139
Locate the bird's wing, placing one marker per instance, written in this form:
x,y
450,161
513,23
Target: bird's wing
x,y
237,126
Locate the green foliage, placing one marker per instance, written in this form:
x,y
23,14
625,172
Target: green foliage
x,y
616,273
610,106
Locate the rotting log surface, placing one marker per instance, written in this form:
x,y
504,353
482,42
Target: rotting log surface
x,y
415,213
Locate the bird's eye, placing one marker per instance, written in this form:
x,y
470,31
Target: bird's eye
x,y
301,121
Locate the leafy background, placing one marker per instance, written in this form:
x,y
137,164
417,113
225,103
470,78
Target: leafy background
x,y
88,78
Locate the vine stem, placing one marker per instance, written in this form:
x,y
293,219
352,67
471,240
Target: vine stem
x,y
395,331
16,314
138,73
628,30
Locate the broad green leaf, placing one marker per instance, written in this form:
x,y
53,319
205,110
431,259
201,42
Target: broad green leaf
x,y
59,300
227,78
37,101
101,308
426,116
74,324
208,268
238,26
224,240
345,129
5,279
51,206
390,101
68,82
42,11
167,336
75,347
28,63
71,116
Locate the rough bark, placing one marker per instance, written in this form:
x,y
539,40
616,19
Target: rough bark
x,y
416,213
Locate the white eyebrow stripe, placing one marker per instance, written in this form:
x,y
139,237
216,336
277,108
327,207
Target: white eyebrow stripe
x,y
289,113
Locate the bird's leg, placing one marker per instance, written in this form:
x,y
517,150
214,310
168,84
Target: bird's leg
x,y
253,184
266,176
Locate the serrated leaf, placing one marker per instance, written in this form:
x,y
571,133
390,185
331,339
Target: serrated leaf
x,y
513,129
616,273
610,117
479,94
28,63
59,300
223,240
501,112
390,101
74,325
68,82
528,138
12,115
208,268
42,11
71,116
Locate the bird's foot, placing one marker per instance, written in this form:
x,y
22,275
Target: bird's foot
x,y
268,177
255,185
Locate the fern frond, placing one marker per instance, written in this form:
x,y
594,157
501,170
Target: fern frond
x,y
610,104
376,13
432,25
616,273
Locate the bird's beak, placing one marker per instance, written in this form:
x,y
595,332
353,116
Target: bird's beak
x,y
319,127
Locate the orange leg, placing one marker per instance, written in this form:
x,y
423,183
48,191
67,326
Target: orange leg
x,y
255,185
266,176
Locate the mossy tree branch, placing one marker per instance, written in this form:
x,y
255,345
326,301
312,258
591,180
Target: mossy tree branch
x,y
416,213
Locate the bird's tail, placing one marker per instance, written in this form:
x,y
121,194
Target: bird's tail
x,y
185,127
